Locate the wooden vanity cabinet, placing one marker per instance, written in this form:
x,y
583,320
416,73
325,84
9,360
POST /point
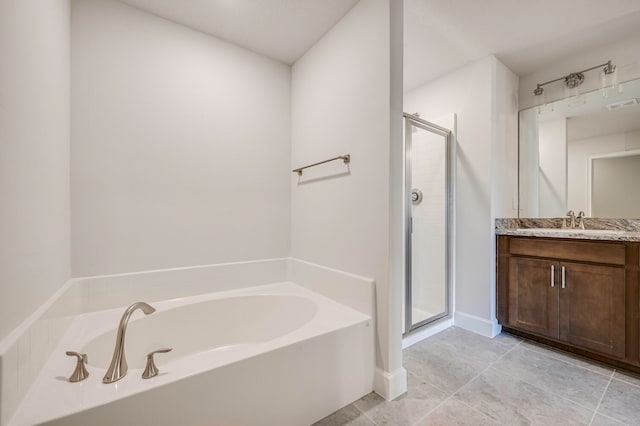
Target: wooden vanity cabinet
x,y
581,294
533,300
591,308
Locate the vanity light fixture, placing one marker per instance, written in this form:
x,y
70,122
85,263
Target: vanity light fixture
x,y
575,79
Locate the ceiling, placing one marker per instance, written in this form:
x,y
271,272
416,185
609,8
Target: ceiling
x,y
439,35
524,34
280,29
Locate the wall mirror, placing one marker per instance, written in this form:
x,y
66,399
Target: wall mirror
x,y
582,153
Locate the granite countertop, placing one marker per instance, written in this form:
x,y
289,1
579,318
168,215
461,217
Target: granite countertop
x,y
621,229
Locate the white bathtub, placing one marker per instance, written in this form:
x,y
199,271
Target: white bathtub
x,y
275,354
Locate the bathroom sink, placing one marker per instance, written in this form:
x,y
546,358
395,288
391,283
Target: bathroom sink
x,y
574,231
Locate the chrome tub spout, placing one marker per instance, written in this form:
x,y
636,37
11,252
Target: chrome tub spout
x,y
118,368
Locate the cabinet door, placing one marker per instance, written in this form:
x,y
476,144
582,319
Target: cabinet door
x,y
592,307
533,295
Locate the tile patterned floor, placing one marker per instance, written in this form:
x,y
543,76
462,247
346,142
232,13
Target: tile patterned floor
x,y
460,378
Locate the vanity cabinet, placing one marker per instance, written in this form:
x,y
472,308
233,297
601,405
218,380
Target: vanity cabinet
x,y
591,307
580,294
533,296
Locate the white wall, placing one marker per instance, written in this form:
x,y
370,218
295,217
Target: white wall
x,y
610,194
180,145
483,95
578,153
342,89
623,53
34,155
552,173
529,164
504,165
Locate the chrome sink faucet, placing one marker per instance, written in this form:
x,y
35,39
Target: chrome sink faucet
x,y
118,368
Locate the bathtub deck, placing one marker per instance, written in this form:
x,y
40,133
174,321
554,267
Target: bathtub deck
x,y
52,397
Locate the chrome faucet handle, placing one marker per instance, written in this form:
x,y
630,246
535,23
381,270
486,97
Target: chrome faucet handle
x,y
580,218
151,370
80,373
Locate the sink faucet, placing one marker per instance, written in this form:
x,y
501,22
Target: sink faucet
x,y
118,368
572,218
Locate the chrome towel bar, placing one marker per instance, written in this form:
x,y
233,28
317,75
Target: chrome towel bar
x,y
346,158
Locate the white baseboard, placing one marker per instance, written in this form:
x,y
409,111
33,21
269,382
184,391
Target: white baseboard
x,y
390,385
476,324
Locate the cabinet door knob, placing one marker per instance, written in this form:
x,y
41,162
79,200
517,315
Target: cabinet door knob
x,y
564,272
553,276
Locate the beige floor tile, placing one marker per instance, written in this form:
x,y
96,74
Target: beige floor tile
x,y
568,357
442,366
627,377
455,413
514,402
347,416
472,345
554,375
600,420
406,409
500,381
621,402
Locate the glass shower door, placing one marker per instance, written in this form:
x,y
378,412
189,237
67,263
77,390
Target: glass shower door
x,y
427,212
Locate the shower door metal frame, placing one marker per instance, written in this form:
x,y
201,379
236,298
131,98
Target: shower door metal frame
x,y
409,121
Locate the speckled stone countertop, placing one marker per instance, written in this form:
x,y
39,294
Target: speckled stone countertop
x,y
531,228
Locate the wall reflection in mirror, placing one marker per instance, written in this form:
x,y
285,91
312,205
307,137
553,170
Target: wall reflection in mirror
x,y
582,153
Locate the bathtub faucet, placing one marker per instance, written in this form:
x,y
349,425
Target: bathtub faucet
x,y
118,368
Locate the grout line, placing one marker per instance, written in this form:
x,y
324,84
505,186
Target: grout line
x,y
425,380
626,381
433,409
469,381
478,411
550,392
567,359
606,388
491,364
546,390
616,421
363,413
504,354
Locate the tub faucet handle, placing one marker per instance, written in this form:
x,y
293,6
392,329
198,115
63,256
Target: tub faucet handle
x,y
80,373
151,370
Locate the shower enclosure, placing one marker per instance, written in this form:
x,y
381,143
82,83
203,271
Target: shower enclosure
x,y
428,222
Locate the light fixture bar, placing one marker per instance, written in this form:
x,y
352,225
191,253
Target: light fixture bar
x,y
575,79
